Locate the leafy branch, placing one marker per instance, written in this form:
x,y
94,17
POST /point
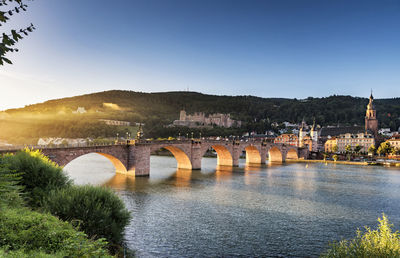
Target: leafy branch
x,y
9,40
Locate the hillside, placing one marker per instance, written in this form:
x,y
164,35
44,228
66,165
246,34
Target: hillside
x,y
56,118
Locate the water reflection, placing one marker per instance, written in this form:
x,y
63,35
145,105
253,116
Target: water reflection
x,y
268,210
183,177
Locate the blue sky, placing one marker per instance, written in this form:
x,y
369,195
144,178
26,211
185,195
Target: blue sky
x,y
281,48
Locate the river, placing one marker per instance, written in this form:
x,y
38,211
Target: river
x,y
289,210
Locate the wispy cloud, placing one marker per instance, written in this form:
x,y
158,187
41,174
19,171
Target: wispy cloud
x,y
24,77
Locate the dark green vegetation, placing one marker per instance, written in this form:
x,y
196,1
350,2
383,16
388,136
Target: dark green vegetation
x,y
9,39
100,212
41,212
381,242
21,228
39,175
55,118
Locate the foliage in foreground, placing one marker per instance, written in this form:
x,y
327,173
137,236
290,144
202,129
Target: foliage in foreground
x,y
32,234
98,210
9,188
39,175
381,242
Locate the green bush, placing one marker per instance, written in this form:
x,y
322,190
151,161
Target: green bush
x,y
381,242
9,188
39,175
30,254
98,210
33,233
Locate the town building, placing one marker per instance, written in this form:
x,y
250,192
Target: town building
x,y
199,119
330,145
361,139
309,139
394,142
288,139
386,132
364,140
80,110
115,122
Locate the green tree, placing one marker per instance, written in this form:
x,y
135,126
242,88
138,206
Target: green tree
x,y
335,157
357,149
348,151
372,149
381,242
384,148
335,148
9,39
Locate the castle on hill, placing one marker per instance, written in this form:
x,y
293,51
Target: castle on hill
x,y
199,119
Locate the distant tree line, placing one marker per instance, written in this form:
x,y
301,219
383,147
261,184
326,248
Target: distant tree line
x,y
157,110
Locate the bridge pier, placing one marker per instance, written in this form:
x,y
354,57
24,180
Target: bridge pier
x,y
139,160
235,154
263,154
196,155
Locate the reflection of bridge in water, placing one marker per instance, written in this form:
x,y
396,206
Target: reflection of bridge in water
x,y
134,159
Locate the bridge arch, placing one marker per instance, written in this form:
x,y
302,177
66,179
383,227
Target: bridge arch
x,y
118,165
275,155
253,155
182,159
224,155
292,154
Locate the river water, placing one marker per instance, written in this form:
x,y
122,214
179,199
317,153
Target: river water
x,y
290,210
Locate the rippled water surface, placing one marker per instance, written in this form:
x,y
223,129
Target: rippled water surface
x,y
274,210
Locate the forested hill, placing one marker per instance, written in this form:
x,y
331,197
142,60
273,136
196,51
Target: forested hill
x,y
157,109
140,107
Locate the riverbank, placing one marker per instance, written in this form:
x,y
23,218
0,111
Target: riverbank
x,y
344,162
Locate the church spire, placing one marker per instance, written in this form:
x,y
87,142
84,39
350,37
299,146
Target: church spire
x,y
313,126
371,122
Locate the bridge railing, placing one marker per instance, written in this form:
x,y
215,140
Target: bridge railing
x,y
128,142
59,146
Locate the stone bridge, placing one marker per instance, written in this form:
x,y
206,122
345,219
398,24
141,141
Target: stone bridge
x,y
134,159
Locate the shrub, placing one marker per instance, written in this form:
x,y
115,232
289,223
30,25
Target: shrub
x,y
9,188
39,175
100,212
381,242
33,233
30,254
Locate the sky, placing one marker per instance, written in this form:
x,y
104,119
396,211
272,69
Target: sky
x,y
270,48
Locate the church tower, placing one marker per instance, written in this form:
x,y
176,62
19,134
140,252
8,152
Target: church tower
x,y
302,133
371,123
314,137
